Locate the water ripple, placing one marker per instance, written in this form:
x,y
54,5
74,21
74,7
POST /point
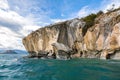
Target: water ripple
x,y
14,67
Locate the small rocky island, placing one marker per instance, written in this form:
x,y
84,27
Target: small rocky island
x,y
94,36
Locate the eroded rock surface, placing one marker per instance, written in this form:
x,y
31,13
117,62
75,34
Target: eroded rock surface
x,y
65,40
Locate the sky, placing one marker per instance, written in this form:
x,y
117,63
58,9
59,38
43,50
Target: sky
x,y
19,17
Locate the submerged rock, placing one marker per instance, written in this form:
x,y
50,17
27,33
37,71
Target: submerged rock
x,y
71,39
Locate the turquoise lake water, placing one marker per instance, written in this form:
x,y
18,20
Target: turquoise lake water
x,y
15,67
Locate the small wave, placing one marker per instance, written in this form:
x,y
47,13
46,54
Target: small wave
x,y
9,60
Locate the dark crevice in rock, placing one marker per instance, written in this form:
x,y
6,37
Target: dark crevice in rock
x,y
63,35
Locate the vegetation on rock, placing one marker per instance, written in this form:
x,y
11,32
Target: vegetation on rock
x,y
90,20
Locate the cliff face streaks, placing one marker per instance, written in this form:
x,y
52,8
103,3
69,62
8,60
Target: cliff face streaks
x,y
65,40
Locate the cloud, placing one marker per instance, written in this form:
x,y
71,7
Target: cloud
x,y
12,20
31,15
36,10
107,4
21,19
104,6
14,26
9,39
17,22
84,11
57,20
4,4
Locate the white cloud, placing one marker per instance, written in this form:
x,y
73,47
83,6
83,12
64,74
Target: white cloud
x,y
9,39
107,4
15,22
4,4
28,29
11,19
84,11
13,27
57,20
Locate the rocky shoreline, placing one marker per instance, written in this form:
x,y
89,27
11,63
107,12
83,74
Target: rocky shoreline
x,y
74,39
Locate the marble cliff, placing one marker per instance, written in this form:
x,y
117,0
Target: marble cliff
x,y
72,39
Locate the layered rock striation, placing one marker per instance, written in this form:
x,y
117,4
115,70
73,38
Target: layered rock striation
x,y
72,39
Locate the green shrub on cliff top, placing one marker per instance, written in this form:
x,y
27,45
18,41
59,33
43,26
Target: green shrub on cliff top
x,y
89,20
